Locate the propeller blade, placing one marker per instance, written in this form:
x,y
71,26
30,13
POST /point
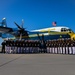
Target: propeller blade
x,y
20,36
17,25
22,23
42,37
39,37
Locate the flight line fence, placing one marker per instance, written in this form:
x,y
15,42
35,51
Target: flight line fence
x,y
59,46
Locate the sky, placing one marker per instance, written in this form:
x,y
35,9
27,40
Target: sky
x,y
38,14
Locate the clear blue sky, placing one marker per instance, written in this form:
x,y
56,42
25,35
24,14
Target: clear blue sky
x,y
38,13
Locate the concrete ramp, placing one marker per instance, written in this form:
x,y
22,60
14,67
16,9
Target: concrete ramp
x,y
37,64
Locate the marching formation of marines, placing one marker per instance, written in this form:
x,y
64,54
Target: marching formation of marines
x,y
60,46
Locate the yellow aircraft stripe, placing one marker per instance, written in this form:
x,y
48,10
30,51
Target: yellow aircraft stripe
x,y
51,33
44,30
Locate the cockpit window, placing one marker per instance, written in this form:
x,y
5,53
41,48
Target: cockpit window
x,y
63,29
66,30
69,30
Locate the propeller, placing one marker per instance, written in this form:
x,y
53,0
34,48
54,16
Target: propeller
x,y
41,39
21,29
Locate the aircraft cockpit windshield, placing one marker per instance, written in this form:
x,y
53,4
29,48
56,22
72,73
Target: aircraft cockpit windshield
x,y
66,30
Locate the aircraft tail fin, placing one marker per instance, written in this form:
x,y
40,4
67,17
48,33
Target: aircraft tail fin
x,y
3,23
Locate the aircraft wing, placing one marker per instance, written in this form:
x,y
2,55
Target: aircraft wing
x,y
5,29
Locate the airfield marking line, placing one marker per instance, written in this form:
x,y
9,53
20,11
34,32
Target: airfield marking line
x,y
10,61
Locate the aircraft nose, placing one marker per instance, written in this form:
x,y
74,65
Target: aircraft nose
x,y
69,31
73,37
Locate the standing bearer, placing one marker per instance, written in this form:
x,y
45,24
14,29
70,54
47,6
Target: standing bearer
x,y
3,46
47,44
74,47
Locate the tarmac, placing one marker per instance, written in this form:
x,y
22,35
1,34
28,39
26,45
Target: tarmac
x,y
37,64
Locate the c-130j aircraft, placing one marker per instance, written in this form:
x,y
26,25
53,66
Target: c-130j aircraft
x,y
39,34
